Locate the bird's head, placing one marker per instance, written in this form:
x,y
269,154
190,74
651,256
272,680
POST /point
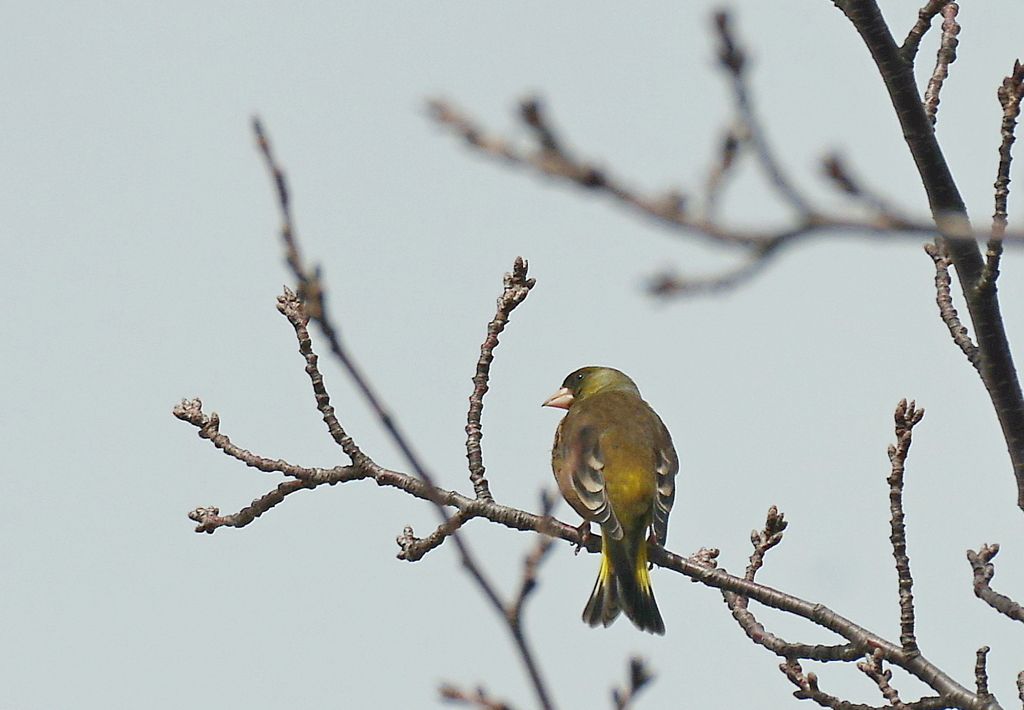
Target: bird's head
x,y
588,381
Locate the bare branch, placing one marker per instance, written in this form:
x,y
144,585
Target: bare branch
x,y
984,571
727,155
917,32
553,159
668,284
1010,94
807,689
668,207
871,666
531,564
836,170
209,519
763,540
191,411
952,693
947,311
639,677
981,672
292,308
476,699
906,417
517,287
314,304
995,361
701,568
732,58
946,55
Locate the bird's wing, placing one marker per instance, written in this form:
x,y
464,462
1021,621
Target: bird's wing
x,y
587,476
665,473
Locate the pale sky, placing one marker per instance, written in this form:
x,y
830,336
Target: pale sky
x,y
142,265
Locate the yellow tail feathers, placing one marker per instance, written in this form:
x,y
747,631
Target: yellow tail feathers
x,y
623,584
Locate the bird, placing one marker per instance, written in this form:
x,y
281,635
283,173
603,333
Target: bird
x,y
615,465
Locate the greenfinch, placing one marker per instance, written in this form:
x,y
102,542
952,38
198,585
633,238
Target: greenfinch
x,y
615,465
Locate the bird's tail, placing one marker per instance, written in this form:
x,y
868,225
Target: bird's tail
x,y
623,584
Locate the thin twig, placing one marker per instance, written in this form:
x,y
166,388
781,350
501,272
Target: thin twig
x,y
917,32
906,417
311,293
871,666
981,672
668,284
528,580
517,287
728,152
291,307
639,677
765,539
191,411
1009,93
984,571
413,549
477,698
945,56
209,519
947,311
732,58
762,541
807,689
835,169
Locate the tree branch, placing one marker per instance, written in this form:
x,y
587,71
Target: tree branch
x,y
517,287
552,158
314,304
871,666
732,58
763,540
807,689
1009,94
984,570
906,417
947,311
456,509
700,568
639,677
995,359
917,32
981,672
945,56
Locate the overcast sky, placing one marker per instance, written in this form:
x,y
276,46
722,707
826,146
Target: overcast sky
x,y
141,265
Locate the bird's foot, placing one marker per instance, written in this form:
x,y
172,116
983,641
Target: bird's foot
x,y
584,533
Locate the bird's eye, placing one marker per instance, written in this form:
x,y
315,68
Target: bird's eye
x,y
579,376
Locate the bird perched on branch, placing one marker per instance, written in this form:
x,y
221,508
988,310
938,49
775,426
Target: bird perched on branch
x,y
615,465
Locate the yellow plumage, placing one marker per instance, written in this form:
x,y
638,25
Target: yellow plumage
x,y
615,465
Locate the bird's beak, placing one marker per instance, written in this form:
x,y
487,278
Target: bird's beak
x,y
561,399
